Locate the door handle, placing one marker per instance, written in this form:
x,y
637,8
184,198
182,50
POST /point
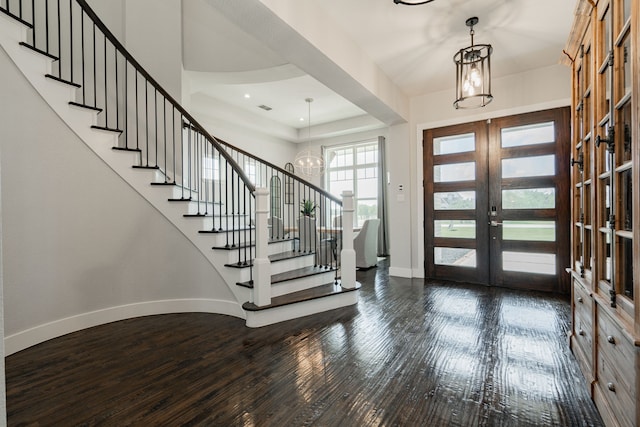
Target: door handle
x,y
495,223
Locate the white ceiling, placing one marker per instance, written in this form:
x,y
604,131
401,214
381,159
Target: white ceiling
x,y
413,45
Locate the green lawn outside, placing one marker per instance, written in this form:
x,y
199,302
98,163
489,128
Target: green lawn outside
x,y
515,230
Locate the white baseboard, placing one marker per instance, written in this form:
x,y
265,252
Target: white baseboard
x,y
29,337
418,273
400,272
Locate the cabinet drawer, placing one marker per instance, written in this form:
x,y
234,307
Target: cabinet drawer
x,y
614,388
582,302
618,349
583,324
616,363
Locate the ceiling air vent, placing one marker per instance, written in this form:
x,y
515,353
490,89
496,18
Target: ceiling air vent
x,y
265,107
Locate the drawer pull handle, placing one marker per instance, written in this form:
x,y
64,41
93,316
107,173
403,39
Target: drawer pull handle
x,y
580,332
611,340
611,387
580,299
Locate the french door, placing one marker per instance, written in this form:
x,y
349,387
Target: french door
x,y
496,198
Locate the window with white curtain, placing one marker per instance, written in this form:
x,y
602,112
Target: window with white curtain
x,y
210,168
355,167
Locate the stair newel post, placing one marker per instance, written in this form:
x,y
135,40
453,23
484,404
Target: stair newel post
x,y
261,264
348,254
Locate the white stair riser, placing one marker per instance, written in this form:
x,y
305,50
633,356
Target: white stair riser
x,y
222,222
233,256
284,288
292,264
277,247
256,319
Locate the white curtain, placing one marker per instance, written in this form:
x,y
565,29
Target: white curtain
x,y
382,198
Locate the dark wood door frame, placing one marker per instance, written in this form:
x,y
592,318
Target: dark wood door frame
x,y
488,186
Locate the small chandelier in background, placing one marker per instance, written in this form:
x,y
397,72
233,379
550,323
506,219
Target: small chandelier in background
x,y
411,3
308,162
473,73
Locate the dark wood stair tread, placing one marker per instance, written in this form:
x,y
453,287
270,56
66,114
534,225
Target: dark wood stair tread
x,y
40,51
282,256
135,150
17,18
106,129
61,80
146,167
88,107
317,292
216,215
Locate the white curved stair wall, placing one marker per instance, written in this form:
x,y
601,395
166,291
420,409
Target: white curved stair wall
x,y
81,247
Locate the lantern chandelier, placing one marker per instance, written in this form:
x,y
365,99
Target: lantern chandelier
x,y
308,162
473,73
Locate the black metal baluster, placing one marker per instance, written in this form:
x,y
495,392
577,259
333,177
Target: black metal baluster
x,y
323,233
33,21
84,83
106,97
95,79
208,179
220,185
46,25
70,38
126,103
232,215
184,177
59,42
173,137
115,58
198,168
137,115
155,115
226,201
190,159
180,165
240,215
146,119
247,217
164,127
253,249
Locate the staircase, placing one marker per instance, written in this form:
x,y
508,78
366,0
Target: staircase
x,y
120,112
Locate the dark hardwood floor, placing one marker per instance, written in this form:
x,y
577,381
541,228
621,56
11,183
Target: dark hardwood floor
x,y
410,354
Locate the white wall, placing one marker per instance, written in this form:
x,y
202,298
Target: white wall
x,y
399,203
534,90
3,392
79,244
242,130
154,39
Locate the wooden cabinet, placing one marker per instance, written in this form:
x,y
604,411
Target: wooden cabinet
x,y
603,51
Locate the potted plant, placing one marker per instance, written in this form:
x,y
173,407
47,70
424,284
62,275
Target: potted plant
x,y
308,208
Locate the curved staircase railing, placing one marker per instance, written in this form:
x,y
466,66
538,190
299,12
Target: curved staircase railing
x,y
217,179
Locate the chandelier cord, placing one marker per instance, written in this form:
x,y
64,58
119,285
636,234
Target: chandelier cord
x,y
309,101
